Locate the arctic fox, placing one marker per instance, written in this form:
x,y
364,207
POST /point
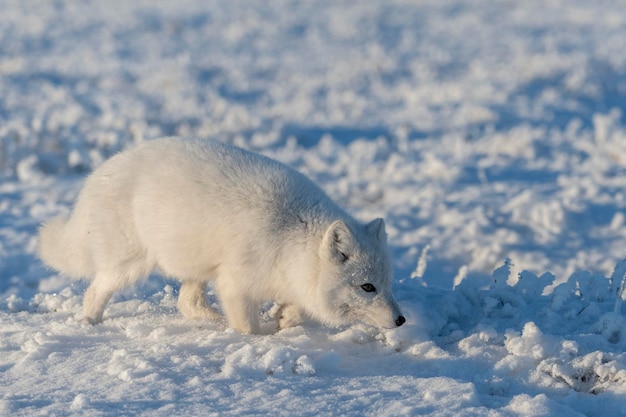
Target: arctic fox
x,y
198,211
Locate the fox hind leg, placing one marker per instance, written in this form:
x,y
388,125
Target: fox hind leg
x,y
98,295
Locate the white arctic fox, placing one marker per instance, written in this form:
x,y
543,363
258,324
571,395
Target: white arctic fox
x,y
200,211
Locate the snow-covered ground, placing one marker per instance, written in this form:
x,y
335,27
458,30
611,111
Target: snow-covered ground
x,y
490,135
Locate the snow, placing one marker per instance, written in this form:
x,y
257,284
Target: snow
x,y
490,136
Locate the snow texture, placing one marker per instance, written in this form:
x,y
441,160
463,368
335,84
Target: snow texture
x,y
490,135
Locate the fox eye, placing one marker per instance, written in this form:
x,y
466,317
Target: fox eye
x,y
343,257
368,288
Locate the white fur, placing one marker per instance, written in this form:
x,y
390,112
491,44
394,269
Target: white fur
x,y
199,211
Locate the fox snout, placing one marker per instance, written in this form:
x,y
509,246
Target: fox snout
x,y
390,323
396,314
394,318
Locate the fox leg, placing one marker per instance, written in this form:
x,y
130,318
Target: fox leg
x,y
98,295
192,301
242,314
241,311
289,315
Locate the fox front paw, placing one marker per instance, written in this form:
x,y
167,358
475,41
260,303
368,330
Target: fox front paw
x,y
288,315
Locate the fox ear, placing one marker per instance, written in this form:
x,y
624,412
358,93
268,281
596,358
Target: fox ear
x,y
376,228
338,241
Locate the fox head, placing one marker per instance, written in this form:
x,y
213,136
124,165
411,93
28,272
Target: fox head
x,y
355,276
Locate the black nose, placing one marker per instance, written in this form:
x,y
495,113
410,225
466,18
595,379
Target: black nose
x,y
400,321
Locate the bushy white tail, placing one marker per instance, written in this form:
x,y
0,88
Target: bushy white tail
x,y
62,250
